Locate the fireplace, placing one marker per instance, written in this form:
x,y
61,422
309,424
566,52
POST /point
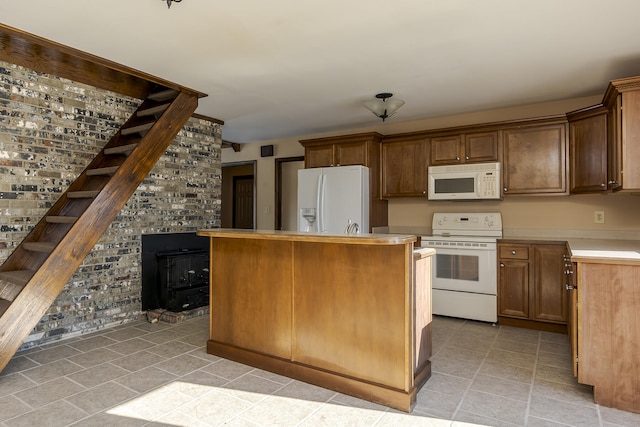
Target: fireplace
x,y
175,271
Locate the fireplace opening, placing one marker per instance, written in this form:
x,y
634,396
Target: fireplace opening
x,y
175,271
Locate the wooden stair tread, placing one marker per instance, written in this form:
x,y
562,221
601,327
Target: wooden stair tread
x,y
82,194
120,149
110,170
17,277
60,219
4,305
46,247
163,95
137,129
153,110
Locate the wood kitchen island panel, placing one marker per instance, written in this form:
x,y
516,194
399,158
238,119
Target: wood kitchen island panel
x,y
366,332
260,310
351,313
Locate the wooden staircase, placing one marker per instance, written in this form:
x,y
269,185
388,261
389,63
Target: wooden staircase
x,y
34,274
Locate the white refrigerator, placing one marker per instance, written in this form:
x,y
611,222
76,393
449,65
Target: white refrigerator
x,y
333,200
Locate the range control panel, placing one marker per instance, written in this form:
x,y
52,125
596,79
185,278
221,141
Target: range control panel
x,y
467,224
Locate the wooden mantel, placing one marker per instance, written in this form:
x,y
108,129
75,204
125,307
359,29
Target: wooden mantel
x,y
351,313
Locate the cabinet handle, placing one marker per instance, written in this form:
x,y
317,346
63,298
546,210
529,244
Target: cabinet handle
x,y
501,265
505,189
458,158
613,183
513,252
424,191
569,287
466,157
603,185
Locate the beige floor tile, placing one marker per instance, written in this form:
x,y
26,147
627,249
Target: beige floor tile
x,y
18,363
250,388
215,408
101,397
11,407
396,419
98,375
466,419
53,370
198,383
331,415
146,379
182,364
436,404
304,393
137,361
227,369
152,405
171,349
94,357
57,414
506,371
131,346
574,393
104,419
448,384
558,375
162,337
279,411
92,343
51,391
563,412
488,405
14,383
51,354
516,346
502,387
618,417
126,333
512,358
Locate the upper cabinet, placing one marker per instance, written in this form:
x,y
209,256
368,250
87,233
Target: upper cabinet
x,y
535,157
472,147
622,99
404,165
359,149
588,150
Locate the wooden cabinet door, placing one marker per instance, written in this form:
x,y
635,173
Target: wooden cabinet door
x,y
513,288
318,156
481,147
404,168
588,153
614,145
351,153
446,150
535,160
631,140
549,302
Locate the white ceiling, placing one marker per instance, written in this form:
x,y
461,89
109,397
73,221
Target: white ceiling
x,y
285,68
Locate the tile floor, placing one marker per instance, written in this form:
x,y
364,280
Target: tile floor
x,y
144,374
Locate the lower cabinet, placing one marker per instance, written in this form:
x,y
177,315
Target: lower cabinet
x,y
531,285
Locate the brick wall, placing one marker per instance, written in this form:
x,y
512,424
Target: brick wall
x,y
50,129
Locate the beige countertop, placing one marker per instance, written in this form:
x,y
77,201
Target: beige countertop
x,y
599,250
361,239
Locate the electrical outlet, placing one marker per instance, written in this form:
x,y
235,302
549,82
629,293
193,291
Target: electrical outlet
x,y
598,217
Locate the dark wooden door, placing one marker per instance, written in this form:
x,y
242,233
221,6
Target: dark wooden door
x,y
243,201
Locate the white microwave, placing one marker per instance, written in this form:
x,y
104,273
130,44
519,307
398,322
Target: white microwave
x,y
473,181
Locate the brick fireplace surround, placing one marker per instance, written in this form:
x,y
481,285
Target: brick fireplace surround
x,y
50,129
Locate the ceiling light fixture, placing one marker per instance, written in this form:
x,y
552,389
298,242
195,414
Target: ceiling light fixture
x,y
383,108
169,2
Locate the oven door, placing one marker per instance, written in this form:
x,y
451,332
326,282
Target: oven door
x,y
465,267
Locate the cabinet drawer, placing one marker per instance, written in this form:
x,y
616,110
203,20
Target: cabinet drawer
x,y
513,252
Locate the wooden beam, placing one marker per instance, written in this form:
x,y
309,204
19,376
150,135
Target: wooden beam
x,y
40,54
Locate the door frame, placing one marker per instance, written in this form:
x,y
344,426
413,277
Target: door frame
x,y
255,179
278,187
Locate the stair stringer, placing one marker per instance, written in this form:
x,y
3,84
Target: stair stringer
x,y
49,279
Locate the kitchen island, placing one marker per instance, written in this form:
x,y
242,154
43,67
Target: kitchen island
x,y
351,313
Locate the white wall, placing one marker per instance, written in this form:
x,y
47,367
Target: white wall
x,y
564,212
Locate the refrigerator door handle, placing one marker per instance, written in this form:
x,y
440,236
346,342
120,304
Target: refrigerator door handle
x,y
320,203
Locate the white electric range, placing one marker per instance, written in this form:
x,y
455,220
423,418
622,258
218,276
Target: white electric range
x,y
465,279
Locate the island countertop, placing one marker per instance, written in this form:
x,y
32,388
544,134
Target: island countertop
x,y
295,236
